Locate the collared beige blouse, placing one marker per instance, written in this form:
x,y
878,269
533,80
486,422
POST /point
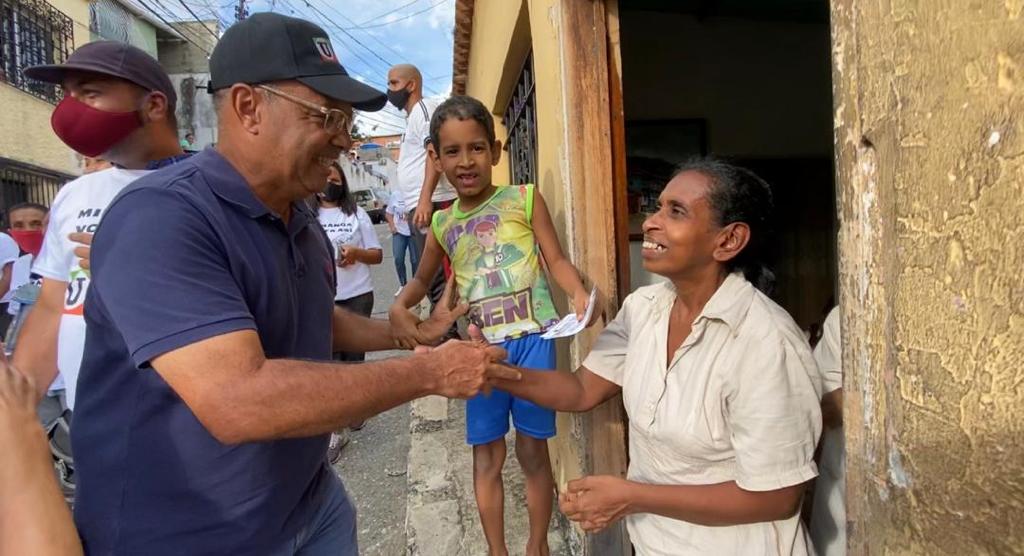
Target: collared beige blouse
x,y
739,402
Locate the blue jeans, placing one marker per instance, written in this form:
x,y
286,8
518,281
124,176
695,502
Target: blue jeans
x,y
401,244
330,532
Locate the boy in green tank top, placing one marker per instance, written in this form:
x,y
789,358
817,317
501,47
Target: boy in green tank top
x,y
496,237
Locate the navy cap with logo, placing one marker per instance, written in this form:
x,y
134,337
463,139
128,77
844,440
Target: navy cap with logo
x,y
273,47
112,58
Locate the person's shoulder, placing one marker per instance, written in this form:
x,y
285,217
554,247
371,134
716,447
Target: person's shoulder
x,y
89,184
767,322
653,297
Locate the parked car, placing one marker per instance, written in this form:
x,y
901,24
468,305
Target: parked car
x,y
373,201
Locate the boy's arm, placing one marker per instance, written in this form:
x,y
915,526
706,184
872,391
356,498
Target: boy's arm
x,y
402,320
561,269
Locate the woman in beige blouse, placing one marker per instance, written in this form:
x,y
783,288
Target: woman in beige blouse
x,y
719,384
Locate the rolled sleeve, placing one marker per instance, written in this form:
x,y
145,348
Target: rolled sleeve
x,y
607,357
773,413
163,276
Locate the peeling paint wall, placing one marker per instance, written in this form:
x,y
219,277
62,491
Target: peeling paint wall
x,y
930,159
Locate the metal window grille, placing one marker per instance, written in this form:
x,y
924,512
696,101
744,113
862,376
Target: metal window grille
x,y
20,183
109,20
521,122
33,32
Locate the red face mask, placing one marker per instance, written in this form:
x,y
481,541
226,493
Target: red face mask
x,y
88,130
30,241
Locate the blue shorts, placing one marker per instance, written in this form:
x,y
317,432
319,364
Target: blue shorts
x,y
487,416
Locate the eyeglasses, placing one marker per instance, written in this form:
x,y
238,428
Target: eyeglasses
x,y
335,121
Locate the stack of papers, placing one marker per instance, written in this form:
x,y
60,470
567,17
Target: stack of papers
x,y
570,325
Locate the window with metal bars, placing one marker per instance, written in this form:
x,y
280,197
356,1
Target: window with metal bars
x,y
521,122
33,32
20,183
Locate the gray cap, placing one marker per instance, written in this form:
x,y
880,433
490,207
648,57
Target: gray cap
x,y
113,58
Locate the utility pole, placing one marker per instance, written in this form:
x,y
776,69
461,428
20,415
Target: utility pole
x,y
241,11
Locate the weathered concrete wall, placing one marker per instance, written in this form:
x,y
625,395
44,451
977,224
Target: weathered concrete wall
x,y
195,110
930,164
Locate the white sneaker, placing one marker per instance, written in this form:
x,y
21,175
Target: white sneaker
x,y
399,290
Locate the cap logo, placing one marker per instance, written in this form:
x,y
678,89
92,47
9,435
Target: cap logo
x,y
324,48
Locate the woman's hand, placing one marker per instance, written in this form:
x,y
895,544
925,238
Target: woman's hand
x,y
347,255
596,502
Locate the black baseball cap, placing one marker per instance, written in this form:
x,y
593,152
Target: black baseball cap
x,y
273,47
112,58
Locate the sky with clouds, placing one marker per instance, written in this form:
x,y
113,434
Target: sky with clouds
x,y
369,36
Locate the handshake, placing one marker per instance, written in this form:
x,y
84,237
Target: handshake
x,y
463,369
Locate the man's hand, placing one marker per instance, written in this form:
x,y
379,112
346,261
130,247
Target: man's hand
x,y
83,250
463,369
424,210
448,309
347,255
595,502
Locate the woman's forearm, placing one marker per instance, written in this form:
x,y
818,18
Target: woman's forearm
x,y
714,505
561,390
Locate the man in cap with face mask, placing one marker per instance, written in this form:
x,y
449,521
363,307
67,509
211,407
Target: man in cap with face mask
x,y
207,390
118,104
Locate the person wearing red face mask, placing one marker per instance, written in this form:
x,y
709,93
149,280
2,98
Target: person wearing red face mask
x,y
119,106
8,254
27,221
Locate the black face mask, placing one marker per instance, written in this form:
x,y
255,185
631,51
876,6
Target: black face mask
x,y
333,192
398,98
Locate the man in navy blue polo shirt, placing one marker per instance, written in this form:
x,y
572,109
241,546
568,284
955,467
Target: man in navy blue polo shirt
x,y
207,394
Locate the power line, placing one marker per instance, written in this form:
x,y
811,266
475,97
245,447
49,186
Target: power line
x,y
167,23
199,21
414,14
350,35
387,13
374,37
181,31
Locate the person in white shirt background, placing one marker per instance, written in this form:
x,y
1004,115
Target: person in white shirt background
x,y
356,247
401,241
9,253
422,188
27,222
828,513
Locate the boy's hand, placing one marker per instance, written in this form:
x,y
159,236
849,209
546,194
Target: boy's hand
x,y
404,327
424,210
446,312
579,304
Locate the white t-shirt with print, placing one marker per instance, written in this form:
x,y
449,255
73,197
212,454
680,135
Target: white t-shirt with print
x,y
399,214
350,229
413,158
78,207
9,253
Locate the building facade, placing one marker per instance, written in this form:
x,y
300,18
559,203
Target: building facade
x,y
34,163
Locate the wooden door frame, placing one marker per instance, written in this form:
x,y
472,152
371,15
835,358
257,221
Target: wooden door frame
x,y
595,156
